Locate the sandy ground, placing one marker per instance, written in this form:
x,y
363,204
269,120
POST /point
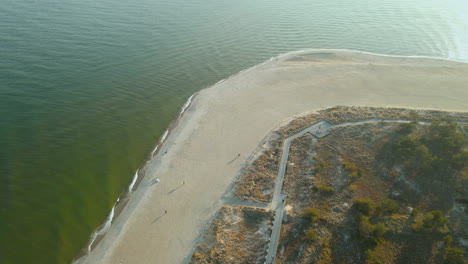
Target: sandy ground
x,y
234,116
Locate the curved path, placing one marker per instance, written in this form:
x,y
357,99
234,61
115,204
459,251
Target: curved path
x,y
278,202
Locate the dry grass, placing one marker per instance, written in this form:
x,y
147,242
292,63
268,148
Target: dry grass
x,y
239,234
371,175
384,252
342,114
257,179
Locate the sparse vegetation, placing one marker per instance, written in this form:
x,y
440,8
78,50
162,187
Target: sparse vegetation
x,y
325,256
258,179
235,227
320,166
324,189
353,169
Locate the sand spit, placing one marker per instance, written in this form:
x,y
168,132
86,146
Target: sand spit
x,y
199,160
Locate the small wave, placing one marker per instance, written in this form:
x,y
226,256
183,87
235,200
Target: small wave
x,y
154,150
130,187
104,229
164,136
161,141
186,105
299,52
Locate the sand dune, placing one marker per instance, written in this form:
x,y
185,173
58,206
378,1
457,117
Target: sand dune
x,y
234,116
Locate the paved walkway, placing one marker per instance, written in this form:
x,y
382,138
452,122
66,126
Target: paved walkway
x,y
278,201
318,130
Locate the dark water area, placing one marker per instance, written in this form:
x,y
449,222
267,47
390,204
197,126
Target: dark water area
x,y
88,87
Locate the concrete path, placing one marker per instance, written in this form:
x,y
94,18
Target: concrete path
x,y
278,201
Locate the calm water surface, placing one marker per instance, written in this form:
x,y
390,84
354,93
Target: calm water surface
x,y
87,87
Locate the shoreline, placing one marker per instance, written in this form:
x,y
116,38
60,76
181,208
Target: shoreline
x,y
122,200
191,103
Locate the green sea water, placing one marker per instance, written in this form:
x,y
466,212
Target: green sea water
x,y
87,88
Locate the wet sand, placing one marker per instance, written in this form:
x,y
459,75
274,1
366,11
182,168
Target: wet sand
x,y
199,159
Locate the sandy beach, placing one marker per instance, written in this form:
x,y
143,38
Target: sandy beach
x,y
195,163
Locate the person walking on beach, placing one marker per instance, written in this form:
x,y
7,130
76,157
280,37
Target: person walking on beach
x,y
165,211
238,155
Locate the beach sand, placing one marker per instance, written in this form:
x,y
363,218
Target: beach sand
x,y
234,117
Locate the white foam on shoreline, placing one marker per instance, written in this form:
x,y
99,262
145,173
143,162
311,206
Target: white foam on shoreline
x,y
110,217
135,177
160,141
164,136
186,105
299,52
104,229
154,150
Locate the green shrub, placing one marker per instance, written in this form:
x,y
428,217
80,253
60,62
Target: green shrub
x,y
442,147
422,157
428,220
417,153
418,226
415,212
373,258
390,206
324,189
434,219
460,160
407,146
447,145
439,219
454,256
407,128
311,213
369,231
365,206
444,139
379,230
353,169
365,227
448,240
311,236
